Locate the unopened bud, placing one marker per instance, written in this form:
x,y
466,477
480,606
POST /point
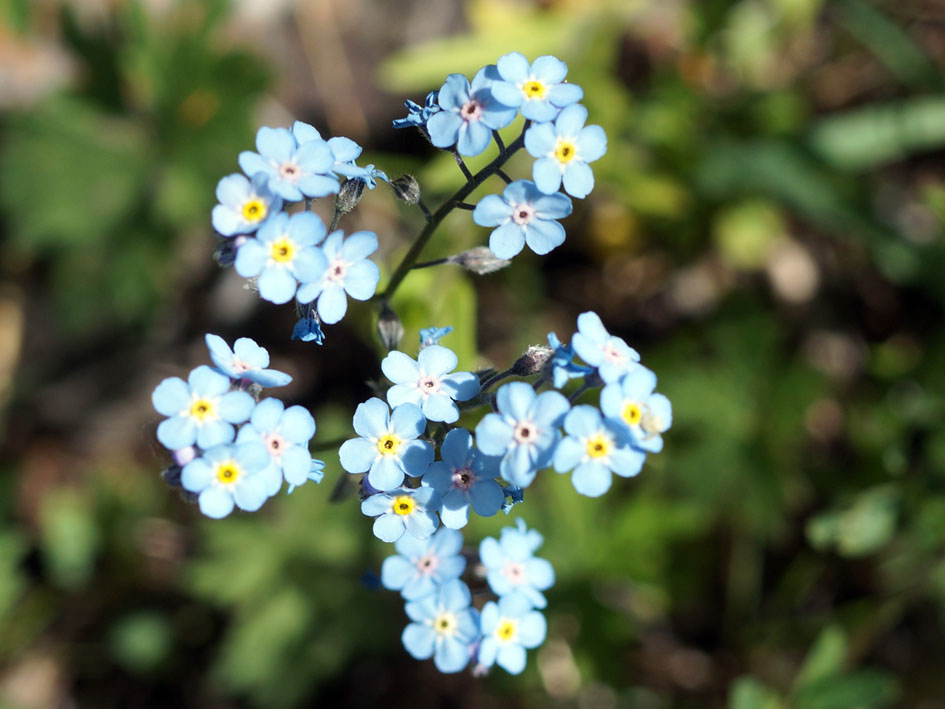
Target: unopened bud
x,y
389,328
348,196
225,253
533,361
406,188
480,260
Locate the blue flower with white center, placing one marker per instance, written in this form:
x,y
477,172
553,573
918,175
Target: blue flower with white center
x,y
200,410
563,366
228,475
464,477
508,628
388,448
523,215
646,414
403,509
349,271
594,448
246,360
284,254
610,355
512,568
285,433
524,431
445,627
244,204
537,89
427,383
564,149
344,152
470,113
421,565
431,335
418,115
293,170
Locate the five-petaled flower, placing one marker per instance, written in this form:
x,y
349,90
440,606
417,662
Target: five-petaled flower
x,y
564,149
523,215
469,113
427,382
348,271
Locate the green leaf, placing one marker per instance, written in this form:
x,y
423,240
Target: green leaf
x,y
863,689
69,537
826,658
749,693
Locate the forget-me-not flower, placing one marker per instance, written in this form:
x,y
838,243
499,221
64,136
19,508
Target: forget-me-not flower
x,y
285,432
464,477
284,254
244,204
403,509
227,475
595,447
511,566
389,447
418,115
293,170
524,431
349,271
427,382
470,113
431,335
200,410
508,628
564,149
537,89
445,627
562,364
246,360
421,565
646,414
523,215
609,354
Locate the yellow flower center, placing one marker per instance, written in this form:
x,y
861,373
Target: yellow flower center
x,y
389,444
506,630
255,210
565,151
282,250
534,89
445,624
598,446
202,409
228,472
403,505
631,414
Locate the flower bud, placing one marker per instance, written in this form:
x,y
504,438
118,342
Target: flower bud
x,y
533,361
406,188
389,328
480,260
348,196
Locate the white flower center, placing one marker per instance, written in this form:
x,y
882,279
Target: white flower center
x,y
240,365
463,478
336,271
515,572
427,564
471,111
612,354
275,444
289,171
525,432
428,384
523,213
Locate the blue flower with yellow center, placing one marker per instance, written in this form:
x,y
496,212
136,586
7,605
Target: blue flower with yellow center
x,y
411,510
564,149
524,431
538,89
469,113
292,170
284,254
594,448
226,476
445,627
512,568
632,401
200,411
422,565
349,271
285,433
246,360
609,354
427,382
244,205
508,628
523,215
388,447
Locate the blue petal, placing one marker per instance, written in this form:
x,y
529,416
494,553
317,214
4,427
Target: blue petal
x,y
332,304
400,368
492,210
416,457
493,435
358,246
318,185
196,475
461,386
514,399
547,175
386,473
511,658
549,69
361,280
419,640
371,418
592,143
456,447
486,497
171,396
507,93
251,163
507,241
437,360
305,229
297,424
296,465
214,433
540,141
407,420
277,285
251,493
276,144
444,128
532,629
474,139
627,462
591,479
562,95
578,179
454,93
568,454
452,655
266,415
396,571
357,455
388,528
233,190
215,502
570,121
236,406
439,407
544,235
404,394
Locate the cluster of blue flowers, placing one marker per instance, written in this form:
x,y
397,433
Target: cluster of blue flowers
x,y
223,467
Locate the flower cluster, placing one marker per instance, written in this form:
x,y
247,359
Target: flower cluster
x,y
224,467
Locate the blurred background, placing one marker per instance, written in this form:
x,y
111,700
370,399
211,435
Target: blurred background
x,y
767,230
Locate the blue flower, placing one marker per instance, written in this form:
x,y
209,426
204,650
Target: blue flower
x,y
244,205
285,433
316,474
344,152
427,383
404,509
388,448
418,115
512,568
308,328
349,271
564,150
421,565
431,335
200,410
563,366
523,215
246,360
293,170
632,401
508,628
470,113
464,477
539,90
228,475
524,431
283,255
594,448
445,627
513,496
610,355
